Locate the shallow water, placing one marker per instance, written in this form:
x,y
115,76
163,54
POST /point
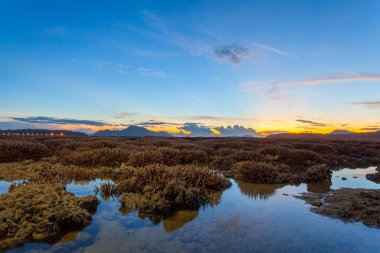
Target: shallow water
x,y
247,218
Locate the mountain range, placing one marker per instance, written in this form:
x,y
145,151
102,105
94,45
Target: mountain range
x,y
337,134
132,131
137,131
41,132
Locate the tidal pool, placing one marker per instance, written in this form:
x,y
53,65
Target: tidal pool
x,y
245,218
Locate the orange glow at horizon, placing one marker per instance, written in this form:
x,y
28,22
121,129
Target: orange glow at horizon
x,y
260,128
216,132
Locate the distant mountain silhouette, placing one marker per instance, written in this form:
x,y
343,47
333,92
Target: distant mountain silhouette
x,y
341,132
40,132
132,131
338,134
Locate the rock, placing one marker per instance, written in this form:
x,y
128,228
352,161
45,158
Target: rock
x,y
375,177
347,204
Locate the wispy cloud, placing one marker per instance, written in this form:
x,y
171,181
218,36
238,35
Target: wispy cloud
x,y
123,69
311,123
367,104
215,118
271,89
157,123
123,115
274,50
370,128
153,73
183,118
161,30
332,79
233,52
58,121
163,33
313,81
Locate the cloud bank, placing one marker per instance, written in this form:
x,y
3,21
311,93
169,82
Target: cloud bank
x,y
198,130
367,104
58,121
237,131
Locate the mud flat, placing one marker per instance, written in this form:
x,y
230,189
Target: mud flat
x,y
352,205
41,213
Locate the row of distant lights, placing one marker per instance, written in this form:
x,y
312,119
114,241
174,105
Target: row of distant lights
x,y
33,134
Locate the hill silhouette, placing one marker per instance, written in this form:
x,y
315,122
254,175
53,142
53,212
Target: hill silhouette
x,y
40,132
338,134
132,131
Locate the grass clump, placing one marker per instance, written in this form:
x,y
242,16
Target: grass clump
x,y
319,174
35,212
261,172
159,189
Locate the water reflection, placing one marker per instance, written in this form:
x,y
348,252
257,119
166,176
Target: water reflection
x,y
71,236
4,185
258,191
215,199
319,187
355,178
245,218
178,219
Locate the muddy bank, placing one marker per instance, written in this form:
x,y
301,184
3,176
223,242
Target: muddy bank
x,y
41,212
375,177
350,205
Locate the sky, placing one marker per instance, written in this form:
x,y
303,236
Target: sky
x,y
184,66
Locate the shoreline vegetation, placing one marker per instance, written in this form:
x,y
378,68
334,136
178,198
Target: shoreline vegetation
x,y
158,176
351,205
41,212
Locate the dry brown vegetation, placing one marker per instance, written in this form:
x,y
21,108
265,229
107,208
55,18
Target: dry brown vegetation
x,y
254,160
33,212
160,189
351,205
156,175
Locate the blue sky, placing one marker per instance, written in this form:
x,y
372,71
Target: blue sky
x,y
299,66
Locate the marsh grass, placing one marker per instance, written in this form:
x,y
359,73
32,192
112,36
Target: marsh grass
x,y
218,153
158,176
40,212
159,189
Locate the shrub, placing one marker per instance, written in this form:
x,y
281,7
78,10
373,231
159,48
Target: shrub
x,y
159,189
94,157
260,172
319,174
16,151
